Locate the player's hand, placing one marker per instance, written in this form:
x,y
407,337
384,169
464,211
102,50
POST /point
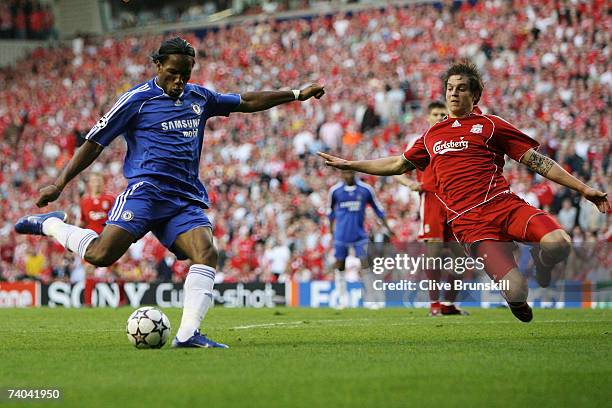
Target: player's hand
x,y
411,184
600,199
311,90
336,162
47,195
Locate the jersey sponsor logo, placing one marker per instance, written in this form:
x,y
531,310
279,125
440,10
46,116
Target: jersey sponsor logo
x,y
476,129
351,205
127,215
196,108
456,124
180,124
442,147
97,215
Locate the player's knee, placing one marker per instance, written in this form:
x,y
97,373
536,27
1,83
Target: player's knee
x,y
556,245
207,255
99,255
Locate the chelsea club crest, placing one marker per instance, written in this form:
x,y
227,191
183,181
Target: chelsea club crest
x,y
196,108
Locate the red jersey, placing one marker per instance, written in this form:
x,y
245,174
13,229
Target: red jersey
x,y
94,211
427,180
466,156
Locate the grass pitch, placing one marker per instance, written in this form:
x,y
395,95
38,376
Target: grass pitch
x,y
315,358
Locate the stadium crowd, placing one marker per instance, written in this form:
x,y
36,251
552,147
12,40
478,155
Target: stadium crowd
x,y
547,70
133,14
26,20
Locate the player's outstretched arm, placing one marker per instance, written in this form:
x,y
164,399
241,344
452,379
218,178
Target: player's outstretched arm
x,y
550,169
386,166
83,157
259,101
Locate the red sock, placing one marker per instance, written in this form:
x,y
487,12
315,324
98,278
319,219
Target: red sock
x,y
433,274
90,284
122,297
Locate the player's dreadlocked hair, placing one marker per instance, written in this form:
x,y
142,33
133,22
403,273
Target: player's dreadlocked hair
x,y
175,45
436,105
468,69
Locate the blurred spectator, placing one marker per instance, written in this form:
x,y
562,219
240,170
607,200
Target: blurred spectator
x,y
567,215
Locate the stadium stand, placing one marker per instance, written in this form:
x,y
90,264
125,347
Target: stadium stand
x,y
26,19
380,68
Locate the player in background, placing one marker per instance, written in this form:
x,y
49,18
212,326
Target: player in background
x,y
95,205
348,200
162,121
434,230
466,152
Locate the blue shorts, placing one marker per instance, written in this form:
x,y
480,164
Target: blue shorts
x,y
341,248
143,207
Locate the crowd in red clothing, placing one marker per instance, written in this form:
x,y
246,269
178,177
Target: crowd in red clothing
x,y
547,70
26,20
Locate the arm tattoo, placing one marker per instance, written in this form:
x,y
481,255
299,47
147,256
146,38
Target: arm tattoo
x,y
540,164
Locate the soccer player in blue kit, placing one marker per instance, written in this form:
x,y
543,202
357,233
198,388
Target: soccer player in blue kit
x,y
347,205
163,122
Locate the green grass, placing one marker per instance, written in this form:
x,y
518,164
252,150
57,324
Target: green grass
x,y
316,358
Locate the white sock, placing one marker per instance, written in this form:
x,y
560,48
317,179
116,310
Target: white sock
x,y
72,238
197,298
341,287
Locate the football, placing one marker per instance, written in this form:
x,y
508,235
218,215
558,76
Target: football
x,y
148,327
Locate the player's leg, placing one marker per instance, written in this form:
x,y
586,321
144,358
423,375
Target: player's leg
x,y
187,232
101,250
501,266
433,249
198,246
551,244
454,249
90,284
431,231
372,299
340,254
554,245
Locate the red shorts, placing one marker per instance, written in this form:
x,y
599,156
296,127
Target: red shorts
x,y
433,219
505,218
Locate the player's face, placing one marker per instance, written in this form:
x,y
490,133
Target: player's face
x,y
459,98
348,177
436,115
95,184
174,73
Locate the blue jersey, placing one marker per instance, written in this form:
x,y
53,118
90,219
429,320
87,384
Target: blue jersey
x,y
164,136
347,208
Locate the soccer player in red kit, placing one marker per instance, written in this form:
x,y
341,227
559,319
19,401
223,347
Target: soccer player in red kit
x,y
466,153
434,229
95,206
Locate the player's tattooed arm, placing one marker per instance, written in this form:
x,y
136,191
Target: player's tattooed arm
x,y
538,162
550,169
